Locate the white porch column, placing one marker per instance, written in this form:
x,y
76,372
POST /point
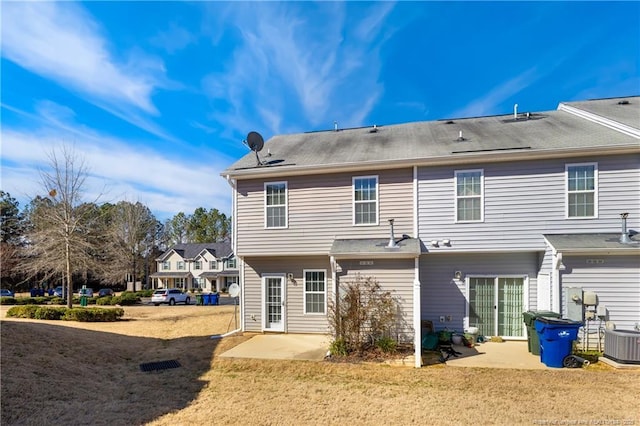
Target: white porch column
x,y
417,324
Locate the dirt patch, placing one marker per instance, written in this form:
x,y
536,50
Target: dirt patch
x,y
79,373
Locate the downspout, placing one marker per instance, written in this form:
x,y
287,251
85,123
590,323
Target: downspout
x,y
417,306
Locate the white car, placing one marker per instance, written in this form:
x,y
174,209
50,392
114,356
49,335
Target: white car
x,y
170,296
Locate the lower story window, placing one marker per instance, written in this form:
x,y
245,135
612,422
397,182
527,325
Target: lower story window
x,y
315,291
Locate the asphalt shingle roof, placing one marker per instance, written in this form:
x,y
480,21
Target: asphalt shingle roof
x,y
422,142
191,250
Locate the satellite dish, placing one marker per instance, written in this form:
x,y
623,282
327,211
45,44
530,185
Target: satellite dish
x,y
234,290
255,142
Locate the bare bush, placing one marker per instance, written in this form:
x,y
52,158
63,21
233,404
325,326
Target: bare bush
x,y
362,315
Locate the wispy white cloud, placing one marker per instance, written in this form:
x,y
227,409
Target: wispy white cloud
x,y
323,64
119,169
488,104
173,39
62,42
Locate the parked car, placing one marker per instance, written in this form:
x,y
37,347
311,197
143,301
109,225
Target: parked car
x,y
170,296
105,292
87,292
58,292
6,293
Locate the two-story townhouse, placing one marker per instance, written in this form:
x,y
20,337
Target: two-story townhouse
x,y
210,267
491,216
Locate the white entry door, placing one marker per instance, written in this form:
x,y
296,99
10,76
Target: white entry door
x,y
274,302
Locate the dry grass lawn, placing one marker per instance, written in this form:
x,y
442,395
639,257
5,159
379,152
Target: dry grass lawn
x,y
88,374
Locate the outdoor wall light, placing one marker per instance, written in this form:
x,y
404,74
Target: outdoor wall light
x,y
457,275
434,243
446,242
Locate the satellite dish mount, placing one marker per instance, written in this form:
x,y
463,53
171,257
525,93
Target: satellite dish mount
x,y
255,143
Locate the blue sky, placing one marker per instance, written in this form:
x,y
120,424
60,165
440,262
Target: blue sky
x,y
157,97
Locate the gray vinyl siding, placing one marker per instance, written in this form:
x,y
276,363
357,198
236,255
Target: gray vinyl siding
x,y
320,209
616,282
296,320
396,276
523,201
442,295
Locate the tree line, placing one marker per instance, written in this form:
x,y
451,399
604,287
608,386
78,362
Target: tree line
x,y
59,238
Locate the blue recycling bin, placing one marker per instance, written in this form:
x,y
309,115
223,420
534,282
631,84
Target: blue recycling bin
x,y
556,337
215,298
206,299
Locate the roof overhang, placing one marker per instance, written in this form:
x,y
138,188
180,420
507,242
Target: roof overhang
x,y
590,244
375,248
449,159
171,275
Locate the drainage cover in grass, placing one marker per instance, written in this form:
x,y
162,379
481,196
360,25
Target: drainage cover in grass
x,y
160,365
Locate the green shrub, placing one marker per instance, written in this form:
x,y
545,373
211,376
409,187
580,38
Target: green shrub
x,y
64,313
387,344
49,312
339,347
22,311
93,314
5,300
58,301
144,293
105,300
128,298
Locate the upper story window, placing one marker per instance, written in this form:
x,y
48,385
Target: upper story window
x,y
275,211
180,265
197,265
582,187
166,265
231,263
315,291
469,195
213,265
365,200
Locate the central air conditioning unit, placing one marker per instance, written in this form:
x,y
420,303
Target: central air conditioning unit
x,y
622,346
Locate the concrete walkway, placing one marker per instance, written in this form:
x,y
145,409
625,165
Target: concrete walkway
x,y
311,347
314,347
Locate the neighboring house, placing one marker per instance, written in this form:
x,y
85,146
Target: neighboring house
x,y
210,267
499,215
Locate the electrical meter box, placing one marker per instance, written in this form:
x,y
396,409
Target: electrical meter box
x,y
573,304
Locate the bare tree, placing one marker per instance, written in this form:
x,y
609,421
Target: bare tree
x,y
133,232
59,241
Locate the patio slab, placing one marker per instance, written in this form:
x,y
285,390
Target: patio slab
x,y
310,347
508,354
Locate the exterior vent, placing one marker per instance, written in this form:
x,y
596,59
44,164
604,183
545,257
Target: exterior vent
x,y
622,346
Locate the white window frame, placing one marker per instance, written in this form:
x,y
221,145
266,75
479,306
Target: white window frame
x,y
197,265
213,265
594,191
232,263
285,205
376,201
305,292
459,197
180,265
166,265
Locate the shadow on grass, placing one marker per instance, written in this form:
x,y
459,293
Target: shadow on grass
x,y
53,373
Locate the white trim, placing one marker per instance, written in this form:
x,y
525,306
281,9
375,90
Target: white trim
x,y
612,124
595,190
457,197
353,200
496,277
417,315
263,278
304,292
286,204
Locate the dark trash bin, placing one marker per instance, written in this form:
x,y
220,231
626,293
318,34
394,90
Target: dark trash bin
x,y
215,298
556,339
532,336
198,299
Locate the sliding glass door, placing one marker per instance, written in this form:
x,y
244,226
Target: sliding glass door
x,y
496,305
